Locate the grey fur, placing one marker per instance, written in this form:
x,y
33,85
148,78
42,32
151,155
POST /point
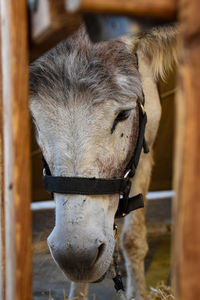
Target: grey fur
x,y
76,91
78,66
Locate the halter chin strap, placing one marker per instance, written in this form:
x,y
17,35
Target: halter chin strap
x,y
101,186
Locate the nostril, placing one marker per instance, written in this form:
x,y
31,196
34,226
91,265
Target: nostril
x,y
101,249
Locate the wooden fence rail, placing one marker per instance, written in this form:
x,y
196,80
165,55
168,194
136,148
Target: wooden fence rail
x,y
16,151
164,9
186,258
2,217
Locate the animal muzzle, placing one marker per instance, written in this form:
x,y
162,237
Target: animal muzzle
x,y
80,258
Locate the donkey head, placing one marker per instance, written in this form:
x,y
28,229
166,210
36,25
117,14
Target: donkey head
x,y
84,103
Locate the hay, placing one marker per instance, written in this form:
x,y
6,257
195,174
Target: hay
x,y
160,292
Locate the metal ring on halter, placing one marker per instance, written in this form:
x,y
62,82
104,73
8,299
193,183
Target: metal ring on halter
x,y
142,108
127,173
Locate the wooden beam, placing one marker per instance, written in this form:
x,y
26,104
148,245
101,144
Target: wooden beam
x,y
2,216
187,180
16,142
50,24
164,9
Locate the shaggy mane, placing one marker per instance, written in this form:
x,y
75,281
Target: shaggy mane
x,y
160,47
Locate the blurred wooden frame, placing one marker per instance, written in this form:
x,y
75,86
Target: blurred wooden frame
x,y
162,9
49,24
16,278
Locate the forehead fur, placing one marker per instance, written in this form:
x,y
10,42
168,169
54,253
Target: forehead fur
x,y
106,70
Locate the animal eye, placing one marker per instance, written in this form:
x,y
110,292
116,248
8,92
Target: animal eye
x,y
122,115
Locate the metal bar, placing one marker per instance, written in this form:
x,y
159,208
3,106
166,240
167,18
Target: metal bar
x,y
50,204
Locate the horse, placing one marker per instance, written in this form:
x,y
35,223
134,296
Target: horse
x,y
84,102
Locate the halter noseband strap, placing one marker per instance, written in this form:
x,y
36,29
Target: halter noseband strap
x,y
101,186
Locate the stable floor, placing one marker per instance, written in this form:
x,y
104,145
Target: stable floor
x,y
49,280
50,283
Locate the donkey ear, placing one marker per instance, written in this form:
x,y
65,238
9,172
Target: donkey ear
x,y
158,46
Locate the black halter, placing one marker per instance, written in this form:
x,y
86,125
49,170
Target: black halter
x,y
101,186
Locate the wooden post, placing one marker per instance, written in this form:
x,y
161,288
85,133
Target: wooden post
x,y
2,216
16,140
187,180
50,24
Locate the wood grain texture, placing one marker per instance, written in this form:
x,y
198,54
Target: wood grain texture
x,y
50,24
2,216
187,180
164,9
16,150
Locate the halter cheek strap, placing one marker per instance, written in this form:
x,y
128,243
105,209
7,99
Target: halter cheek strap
x,y
102,186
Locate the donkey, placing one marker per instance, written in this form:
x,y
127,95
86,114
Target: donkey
x,y
83,101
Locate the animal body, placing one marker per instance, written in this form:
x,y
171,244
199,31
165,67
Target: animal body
x,y
83,100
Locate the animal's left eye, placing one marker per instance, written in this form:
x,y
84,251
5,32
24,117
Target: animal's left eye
x,y
122,115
